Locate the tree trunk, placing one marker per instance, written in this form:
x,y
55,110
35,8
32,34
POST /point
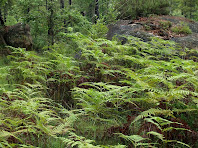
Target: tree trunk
x,y
96,10
46,4
51,23
27,15
70,2
1,19
5,14
62,6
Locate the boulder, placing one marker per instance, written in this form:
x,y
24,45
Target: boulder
x,y
157,26
17,36
122,29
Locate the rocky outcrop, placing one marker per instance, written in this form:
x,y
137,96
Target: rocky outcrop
x,y
17,36
190,41
122,29
158,26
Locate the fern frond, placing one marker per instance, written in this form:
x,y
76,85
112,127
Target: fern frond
x,y
158,135
152,112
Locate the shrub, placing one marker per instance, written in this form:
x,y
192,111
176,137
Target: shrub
x,y
99,30
165,24
182,29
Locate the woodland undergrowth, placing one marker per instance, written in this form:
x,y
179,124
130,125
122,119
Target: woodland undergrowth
x,y
92,92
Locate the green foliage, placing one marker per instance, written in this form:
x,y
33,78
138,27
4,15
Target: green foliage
x,y
29,115
104,85
165,24
107,9
75,20
11,21
135,82
181,29
186,8
136,140
99,30
133,9
86,91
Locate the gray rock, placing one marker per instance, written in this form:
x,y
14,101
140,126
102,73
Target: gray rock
x,y
144,36
190,41
123,27
17,36
194,27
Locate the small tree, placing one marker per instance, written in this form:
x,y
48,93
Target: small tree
x,y
131,9
189,7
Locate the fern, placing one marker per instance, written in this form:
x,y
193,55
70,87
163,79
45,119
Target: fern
x,y
136,140
153,112
135,89
34,114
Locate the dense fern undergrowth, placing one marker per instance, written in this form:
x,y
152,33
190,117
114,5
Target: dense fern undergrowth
x,y
99,93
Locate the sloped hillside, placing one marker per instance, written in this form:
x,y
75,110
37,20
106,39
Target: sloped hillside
x,y
100,93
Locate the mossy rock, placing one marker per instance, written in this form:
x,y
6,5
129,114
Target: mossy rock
x,y
17,36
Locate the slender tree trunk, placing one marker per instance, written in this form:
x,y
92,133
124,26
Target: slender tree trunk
x,y
2,24
1,19
185,4
96,10
28,10
28,18
62,6
51,23
191,16
46,4
5,13
70,2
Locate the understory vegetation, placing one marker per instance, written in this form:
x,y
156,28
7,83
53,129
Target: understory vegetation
x,y
75,89
100,94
